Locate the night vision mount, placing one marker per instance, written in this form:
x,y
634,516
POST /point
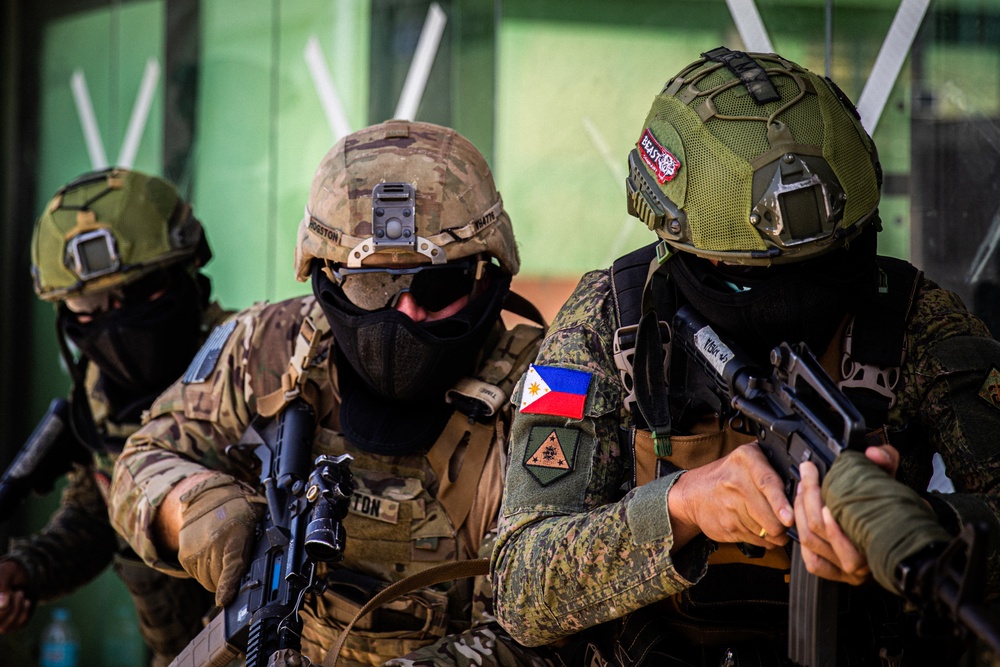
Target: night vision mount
x,y
394,225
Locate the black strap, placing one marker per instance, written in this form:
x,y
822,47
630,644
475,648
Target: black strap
x,y
880,323
628,279
650,387
879,335
746,69
517,304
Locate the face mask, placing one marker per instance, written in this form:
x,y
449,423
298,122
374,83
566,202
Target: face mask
x,y
762,307
400,359
142,347
393,372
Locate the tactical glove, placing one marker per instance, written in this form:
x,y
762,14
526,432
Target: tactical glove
x,y
216,537
885,519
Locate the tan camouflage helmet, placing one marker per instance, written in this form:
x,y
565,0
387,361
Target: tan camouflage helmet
x,y
403,193
109,228
752,159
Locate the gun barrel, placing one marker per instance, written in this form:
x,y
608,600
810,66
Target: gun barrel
x,y
17,480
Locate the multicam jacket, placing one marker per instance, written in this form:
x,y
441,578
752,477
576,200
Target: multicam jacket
x,y
575,550
405,516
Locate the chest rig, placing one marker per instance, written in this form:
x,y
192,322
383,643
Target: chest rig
x,y
864,358
409,513
744,597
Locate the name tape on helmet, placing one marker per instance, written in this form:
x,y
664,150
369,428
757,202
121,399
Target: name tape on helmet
x,y
321,230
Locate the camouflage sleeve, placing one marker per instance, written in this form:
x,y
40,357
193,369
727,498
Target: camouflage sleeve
x,y
952,391
188,430
572,550
75,545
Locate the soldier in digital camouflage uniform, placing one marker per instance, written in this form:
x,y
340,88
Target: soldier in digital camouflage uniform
x,y
402,354
619,527
118,252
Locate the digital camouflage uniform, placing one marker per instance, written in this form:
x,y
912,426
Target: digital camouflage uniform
x,y
598,555
400,520
585,536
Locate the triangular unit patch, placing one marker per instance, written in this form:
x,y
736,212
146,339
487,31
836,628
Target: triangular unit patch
x,y
990,391
551,453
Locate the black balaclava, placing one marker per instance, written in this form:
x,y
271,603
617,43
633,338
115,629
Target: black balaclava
x,y
760,307
142,348
393,372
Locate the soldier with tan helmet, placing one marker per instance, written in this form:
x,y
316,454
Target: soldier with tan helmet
x,y
662,537
402,354
118,252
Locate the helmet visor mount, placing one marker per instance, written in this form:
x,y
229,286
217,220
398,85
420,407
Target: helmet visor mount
x,y
93,254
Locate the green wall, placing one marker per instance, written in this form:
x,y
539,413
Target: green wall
x,y
553,92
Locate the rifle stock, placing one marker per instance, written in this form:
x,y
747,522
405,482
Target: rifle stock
x,y
307,500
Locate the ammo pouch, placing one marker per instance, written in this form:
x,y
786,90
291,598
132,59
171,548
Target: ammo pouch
x,y
396,628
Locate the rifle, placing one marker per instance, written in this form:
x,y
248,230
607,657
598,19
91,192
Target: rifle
x,y
48,454
797,413
305,506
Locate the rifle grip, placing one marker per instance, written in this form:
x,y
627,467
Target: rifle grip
x,y
209,648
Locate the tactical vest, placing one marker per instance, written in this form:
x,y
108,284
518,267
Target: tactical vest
x,y
409,513
743,598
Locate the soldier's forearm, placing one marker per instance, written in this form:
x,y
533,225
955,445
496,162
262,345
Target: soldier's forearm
x,y
169,518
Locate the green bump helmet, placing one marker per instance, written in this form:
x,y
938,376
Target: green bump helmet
x,y
109,228
457,211
752,159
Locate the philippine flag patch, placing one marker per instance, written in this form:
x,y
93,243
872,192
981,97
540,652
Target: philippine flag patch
x,y
559,392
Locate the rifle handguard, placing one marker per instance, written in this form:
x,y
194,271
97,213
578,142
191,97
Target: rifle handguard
x,y
885,519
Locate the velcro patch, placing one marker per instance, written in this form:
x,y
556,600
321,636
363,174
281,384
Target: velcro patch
x,y
204,362
374,507
663,163
559,392
551,453
990,391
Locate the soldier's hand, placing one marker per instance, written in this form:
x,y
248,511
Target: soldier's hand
x,y
826,550
16,604
889,521
738,498
219,517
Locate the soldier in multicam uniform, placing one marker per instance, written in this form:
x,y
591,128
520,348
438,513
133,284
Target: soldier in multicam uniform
x,y
622,514
402,354
118,252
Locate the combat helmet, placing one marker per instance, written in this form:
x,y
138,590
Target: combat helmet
x,y
752,159
439,202
109,228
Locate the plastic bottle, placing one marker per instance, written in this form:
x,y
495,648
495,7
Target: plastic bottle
x,y
60,644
